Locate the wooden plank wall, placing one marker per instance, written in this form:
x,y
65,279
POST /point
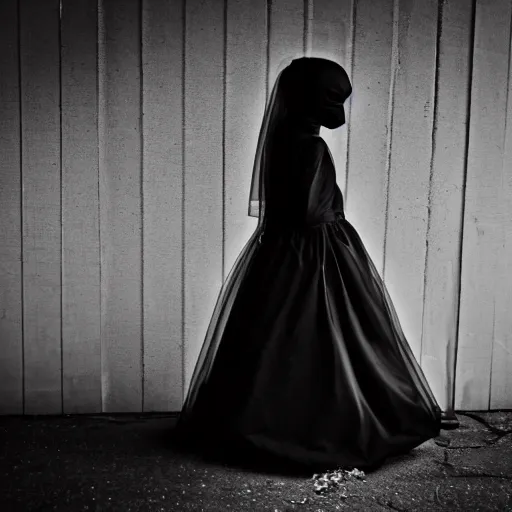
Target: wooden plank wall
x,y
162,186
11,294
127,134
245,94
445,198
485,335
41,201
120,201
81,320
203,173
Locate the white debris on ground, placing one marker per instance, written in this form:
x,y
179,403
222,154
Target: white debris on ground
x,y
333,480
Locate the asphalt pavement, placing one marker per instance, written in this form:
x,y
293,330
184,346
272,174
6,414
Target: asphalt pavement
x,y
127,463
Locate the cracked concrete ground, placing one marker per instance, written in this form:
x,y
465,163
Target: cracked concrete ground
x,y
126,463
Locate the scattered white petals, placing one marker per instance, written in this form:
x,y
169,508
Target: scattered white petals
x,y
332,480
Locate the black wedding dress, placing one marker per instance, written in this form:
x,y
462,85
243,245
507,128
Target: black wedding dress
x,y
304,359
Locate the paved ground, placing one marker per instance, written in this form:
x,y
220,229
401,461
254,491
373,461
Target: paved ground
x,y
127,464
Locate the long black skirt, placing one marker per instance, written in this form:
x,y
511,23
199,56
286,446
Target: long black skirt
x,y
305,360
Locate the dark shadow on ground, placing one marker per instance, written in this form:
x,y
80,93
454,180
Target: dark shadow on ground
x,y
126,463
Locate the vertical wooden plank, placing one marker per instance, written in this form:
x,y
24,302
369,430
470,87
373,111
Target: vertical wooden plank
x,y
286,35
120,205
410,164
81,348
369,124
483,222
11,362
245,104
204,82
162,34
442,285
330,32
501,377
41,205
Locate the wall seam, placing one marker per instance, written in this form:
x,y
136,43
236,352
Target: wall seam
x,y
22,217
183,191
308,20
224,93
142,232
349,124
464,184
395,66
440,14
100,31
502,169
61,220
267,70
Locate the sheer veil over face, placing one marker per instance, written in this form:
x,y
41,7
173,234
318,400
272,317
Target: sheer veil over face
x,y
309,92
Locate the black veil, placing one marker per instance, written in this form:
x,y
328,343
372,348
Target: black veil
x,y
275,113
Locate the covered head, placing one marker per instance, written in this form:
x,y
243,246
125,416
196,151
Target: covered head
x,y
314,90
308,93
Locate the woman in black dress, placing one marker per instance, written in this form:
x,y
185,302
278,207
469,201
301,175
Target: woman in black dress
x,y
304,359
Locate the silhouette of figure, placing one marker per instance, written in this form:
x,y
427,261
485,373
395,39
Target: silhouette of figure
x,y
304,359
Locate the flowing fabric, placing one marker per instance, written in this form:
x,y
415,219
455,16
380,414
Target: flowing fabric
x,y
304,358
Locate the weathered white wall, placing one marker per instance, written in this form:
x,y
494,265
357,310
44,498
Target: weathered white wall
x,y
127,132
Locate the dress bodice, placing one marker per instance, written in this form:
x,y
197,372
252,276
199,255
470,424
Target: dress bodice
x,y
302,190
